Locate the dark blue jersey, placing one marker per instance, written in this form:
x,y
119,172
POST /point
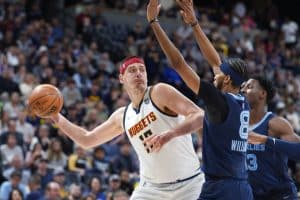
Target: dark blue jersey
x,y
267,169
225,143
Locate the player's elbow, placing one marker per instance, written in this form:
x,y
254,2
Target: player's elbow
x,y
85,142
178,63
199,117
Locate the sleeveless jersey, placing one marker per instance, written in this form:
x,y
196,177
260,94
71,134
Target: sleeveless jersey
x,y
176,160
267,169
225,144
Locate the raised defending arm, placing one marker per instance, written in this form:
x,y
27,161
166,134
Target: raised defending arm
x,y
207,49
177,61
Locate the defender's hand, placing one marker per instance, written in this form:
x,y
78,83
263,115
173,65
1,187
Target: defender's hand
x,y
153,9
187,11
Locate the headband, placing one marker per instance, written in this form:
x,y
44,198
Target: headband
x,y
235,77
130,61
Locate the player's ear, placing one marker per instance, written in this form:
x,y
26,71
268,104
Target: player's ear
x,y
263,94
227,79
121,78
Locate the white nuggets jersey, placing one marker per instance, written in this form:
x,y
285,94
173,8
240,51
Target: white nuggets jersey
x,y
176,159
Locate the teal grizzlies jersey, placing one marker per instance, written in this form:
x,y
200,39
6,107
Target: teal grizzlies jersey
x,y
267,169
225,143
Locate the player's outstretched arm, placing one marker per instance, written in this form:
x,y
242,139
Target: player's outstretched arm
x,y
290,149
177,61
280,127
207,49
167,97
111,128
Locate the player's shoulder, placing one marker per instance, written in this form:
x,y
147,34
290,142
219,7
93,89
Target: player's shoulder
x,y
161,86
279,125
119,112
161,89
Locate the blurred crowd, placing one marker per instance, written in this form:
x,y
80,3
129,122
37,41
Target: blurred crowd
x,y
39,162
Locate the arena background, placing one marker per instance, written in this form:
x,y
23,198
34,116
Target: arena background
x,y
77,46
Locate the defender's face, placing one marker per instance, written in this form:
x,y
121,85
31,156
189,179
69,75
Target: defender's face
x,y
135,76
253,91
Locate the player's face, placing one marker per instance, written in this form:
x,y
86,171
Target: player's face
x,y
218,80
135,76
253,92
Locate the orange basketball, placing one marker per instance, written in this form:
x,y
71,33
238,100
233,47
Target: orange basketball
x,y
45,100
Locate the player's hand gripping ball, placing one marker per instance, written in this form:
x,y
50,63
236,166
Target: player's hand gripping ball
x,y
45,101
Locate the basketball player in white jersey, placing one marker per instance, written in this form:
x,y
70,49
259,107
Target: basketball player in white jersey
x,y
174,171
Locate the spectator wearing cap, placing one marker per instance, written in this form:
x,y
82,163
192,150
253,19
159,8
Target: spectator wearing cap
x,y
100,164
60,178
44,172
36,191
14,182
114,184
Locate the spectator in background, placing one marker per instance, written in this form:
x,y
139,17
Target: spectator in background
x,y
10,150
290,29
26,86
79,162
14,106
36,192
71,93
52,192
33,156
60,178
55,155
114,184
25,128
126,183
44,172
75,192
125,160
16,194
100,164
17,164
42,137
12,130
6,82
120,195
95,188
14,182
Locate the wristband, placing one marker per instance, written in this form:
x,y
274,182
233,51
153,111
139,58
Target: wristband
x,y
194,23
153,20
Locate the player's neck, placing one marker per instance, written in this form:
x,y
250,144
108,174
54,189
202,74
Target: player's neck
x,y
257,113
230,89
136,96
